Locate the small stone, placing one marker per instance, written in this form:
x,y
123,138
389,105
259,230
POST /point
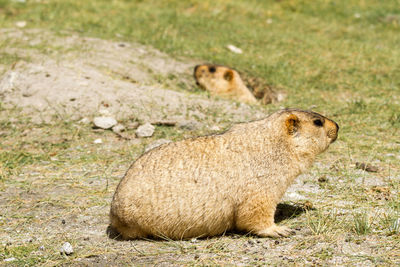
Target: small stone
x,y
104,122
156,143
66,249
234,49
20,24
10,259
189,125
366,167
215,128
118,128
98,141
145,130
323,179
194,240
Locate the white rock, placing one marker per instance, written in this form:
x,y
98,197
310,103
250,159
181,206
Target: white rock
x,y
234,49
98,141
104,122
10,259
145,130
20,24
118,128
66,249
215,128
156,143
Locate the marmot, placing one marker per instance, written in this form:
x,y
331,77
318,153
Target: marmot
x,y
223,81
226,82
208,185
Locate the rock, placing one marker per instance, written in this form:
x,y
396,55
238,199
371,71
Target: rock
x,y
98,141
234,49
104,122
215,128
366,167
118,128
20,24
66,249
156,143
189,125
145,130
10,259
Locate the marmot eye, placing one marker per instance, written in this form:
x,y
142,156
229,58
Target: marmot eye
x,y
212,69
318,123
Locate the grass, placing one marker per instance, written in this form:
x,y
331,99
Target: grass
x,y
340,58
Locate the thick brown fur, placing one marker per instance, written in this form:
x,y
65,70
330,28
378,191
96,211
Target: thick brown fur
x,y
227,82
208,185
223,81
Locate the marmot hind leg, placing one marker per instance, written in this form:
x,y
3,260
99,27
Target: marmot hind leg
x,y
126,232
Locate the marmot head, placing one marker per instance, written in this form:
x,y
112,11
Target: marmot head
x,y
214,77
309,133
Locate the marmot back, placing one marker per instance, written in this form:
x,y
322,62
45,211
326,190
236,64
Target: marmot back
x,y
232,181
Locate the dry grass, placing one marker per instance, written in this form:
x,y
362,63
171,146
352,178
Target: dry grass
x,y
56,184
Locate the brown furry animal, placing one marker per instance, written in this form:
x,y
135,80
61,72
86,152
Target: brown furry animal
x,y
223,81
264,92
232,181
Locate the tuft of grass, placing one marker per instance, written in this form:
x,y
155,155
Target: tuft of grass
x,y
361,223
321,223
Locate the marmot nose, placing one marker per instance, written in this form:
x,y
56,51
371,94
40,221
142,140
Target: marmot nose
x,y
333,133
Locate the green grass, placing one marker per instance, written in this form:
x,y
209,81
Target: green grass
x,y
340,58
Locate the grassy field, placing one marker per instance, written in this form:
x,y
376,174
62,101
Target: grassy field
x,y
339,58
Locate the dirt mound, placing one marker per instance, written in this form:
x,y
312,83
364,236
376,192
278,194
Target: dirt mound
x,y
71,77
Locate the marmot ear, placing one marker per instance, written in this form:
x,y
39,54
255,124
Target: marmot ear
x,y
292,124
228,75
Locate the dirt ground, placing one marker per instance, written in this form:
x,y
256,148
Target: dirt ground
x,y
63,193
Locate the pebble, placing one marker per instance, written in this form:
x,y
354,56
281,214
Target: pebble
x,y
215,128
156,143
66,249
10,259
145,130
20,24
234,49
118,128
104,122
98,141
